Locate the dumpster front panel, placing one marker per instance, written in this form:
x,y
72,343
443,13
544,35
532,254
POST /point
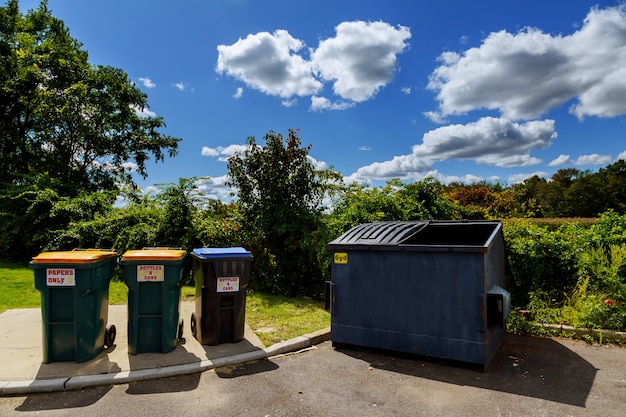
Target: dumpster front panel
x,y
221,279
379,305
427,293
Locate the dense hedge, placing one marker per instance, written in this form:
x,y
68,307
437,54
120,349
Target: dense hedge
x,y
571,274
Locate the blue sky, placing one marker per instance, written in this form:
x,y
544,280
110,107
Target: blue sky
x,y
458,90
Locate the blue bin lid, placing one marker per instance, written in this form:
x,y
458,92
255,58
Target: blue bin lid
x,y
215,253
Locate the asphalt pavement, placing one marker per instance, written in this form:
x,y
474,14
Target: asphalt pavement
x,y
560,376
22,370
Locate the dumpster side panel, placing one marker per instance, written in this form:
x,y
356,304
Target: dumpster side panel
x,y
494,276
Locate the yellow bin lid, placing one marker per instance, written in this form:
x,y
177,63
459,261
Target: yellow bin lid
x,y
76,256
154,254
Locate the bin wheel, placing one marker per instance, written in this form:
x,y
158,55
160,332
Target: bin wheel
x,y
193,325
181,323
109,335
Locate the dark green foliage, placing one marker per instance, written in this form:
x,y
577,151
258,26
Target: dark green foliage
x,y
30,217
421,200
540,260
69,131
574,193
280,195
573,275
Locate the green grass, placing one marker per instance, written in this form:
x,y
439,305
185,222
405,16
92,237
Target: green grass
x,y
17,287
274,318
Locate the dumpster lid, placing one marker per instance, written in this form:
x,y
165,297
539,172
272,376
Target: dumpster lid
x,y
379,233
161,254
76,256
212,253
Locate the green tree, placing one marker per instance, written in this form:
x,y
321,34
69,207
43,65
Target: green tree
x,y
67,128
420,200
612,185
281,194
79,124
526,196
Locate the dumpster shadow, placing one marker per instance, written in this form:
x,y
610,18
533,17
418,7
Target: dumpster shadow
x,y
245,369
65,400
101,364
528,366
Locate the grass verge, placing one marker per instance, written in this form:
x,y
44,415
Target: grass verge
x,y
273,318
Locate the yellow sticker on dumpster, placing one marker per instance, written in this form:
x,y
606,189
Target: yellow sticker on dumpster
x,y
340,258
150,273
60,277
227,284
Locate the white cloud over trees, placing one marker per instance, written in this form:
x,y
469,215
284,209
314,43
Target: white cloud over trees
x,y
359,61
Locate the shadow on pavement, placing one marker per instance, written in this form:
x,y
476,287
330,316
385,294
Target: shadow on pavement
x,y
182,383
229,349
528,366
101,364
149,360
63,400
249,368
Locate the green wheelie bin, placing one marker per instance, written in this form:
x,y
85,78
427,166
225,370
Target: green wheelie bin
x,y
153,278
74,288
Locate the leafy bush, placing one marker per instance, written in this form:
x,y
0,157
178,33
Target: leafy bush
x,y
540,260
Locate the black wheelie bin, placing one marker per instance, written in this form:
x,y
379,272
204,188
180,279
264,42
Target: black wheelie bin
x,y
221,278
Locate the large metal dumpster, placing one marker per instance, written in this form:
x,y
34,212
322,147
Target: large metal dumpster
x,y
430,288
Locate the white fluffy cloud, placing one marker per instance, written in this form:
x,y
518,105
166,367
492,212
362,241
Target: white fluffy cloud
x,y
147,82
499,142
216,188
592,159
518,178
358,61
525,75
268,62
491,141
223,152
143,112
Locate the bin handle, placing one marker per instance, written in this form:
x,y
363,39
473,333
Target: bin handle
x,y
162,248
333,295
92,250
